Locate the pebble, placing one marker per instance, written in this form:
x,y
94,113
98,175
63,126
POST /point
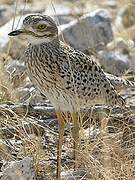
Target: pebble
x,y
16,169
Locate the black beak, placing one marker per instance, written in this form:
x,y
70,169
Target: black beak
x,y
16,32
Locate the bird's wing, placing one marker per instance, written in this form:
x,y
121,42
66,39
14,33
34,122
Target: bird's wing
x,y
119,83
81,74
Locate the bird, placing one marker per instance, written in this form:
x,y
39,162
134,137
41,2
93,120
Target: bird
x,y
70,79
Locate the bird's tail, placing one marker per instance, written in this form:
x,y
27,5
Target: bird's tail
x,y
113,98
120,83
121,101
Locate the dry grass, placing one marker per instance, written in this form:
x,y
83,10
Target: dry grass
x,y
6,93
107,158
103,155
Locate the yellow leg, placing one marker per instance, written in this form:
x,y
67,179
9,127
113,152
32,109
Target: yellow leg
x,y
60,142
75,134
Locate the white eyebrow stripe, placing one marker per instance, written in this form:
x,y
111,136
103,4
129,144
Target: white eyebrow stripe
x,y
43,22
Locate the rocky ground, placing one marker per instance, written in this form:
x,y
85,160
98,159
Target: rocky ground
x,y
29,130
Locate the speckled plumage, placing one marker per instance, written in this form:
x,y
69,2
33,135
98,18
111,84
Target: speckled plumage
x,y
69,78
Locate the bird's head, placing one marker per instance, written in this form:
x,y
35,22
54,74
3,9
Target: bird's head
x,y
37,29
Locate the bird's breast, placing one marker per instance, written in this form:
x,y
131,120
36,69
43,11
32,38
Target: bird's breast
x,y
45,81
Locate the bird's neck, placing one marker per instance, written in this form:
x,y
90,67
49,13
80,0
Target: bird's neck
x,y
53,42
43,47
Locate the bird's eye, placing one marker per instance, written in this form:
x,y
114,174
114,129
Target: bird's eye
x,y
41,26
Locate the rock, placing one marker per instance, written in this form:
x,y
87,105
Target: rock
x,y
60,9
120,83
110,3
6,12
63,12
1,164
6,2
17,73
121,44
78,174
115,62
19,170
17,45
128,16
63,19
36,97
91,31
24,94
125,19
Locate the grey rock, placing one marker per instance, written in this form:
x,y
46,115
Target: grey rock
x,y
78,174
121,44
24,94
30,95
115,62
6,12
126,16
15,68
60,9
19,170
16,74
120,83
31,8
17,45
110,3
63,19
91,31
36,97
63,12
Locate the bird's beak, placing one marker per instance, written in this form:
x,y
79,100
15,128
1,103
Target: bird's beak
x,y
17,32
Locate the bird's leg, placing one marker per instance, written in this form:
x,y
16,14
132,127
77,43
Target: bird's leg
x,y
60,142
75,134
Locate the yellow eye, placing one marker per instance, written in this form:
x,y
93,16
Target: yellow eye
x,y
41,26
